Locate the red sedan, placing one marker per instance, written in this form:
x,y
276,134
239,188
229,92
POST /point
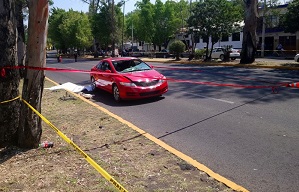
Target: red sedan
x,y
128,78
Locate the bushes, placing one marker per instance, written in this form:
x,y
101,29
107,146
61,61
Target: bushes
x,y
177,47
199,53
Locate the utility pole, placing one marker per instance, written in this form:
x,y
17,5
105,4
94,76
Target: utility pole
x,y
122,38
263,31
113,29
132,36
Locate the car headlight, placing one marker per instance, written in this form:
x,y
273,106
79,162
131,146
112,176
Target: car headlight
x,y
128,84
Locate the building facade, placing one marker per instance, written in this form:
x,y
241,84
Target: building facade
x,y
273,34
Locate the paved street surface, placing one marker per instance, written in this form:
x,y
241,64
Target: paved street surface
x,y
248,135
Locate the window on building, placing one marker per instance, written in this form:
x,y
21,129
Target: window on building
x,y
224,38
236,36
272,21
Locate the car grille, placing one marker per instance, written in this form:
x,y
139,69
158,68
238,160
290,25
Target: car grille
x,y
149,93
146,84
153,92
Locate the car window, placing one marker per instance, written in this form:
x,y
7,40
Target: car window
x,y
105,66
130,65
99,65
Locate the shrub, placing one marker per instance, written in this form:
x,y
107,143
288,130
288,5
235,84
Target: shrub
x,y
199,53
177,47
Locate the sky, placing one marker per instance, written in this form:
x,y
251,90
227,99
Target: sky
x,y
78,5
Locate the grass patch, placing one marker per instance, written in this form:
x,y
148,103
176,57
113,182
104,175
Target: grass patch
x,y
135,162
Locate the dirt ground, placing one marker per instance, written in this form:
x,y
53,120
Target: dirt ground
x,y
134,161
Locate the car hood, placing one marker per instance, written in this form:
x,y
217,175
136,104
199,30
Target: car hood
x,y
143,75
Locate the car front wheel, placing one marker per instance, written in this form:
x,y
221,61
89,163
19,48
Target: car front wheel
x,y
222,57
116,95
93,82
233,58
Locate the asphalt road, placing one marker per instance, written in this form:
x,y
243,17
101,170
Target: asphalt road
x,y
248,135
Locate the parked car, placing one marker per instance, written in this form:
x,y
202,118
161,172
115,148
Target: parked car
x,y
218,53
164,53
128,78
296,58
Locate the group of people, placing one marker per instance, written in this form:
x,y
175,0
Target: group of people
x,y
59,57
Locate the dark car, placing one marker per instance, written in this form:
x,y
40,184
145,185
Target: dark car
x,y
164,53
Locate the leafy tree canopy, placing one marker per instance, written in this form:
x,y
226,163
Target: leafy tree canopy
x,y
291,18
69,29
215,18
145,26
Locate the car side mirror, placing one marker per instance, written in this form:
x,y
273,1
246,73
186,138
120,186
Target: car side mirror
x,y
107,71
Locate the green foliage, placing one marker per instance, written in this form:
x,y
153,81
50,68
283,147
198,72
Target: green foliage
x,y
291,18
166,24
101,27
156,23
69,29
177,47
182,11
215,18
199,53
130,25
145,25
54,33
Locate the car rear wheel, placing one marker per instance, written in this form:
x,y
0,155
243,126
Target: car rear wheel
x,y
298,60
222,57
93,82
116,95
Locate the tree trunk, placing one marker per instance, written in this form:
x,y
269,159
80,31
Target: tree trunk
x,y
249,32
9,78
30,129
21,35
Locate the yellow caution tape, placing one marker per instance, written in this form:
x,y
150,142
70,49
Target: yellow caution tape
x,y
10,100
87,158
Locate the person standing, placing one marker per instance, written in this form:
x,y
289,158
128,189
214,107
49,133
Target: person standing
x,y
279,49
57,56
75,56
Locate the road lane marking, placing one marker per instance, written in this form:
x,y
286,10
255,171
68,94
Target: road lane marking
x,y
222,100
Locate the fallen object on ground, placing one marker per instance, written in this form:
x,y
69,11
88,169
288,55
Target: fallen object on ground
x,y
72,87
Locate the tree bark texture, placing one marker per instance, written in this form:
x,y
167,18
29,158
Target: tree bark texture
x,y
21,35
249,32
9,78
30,128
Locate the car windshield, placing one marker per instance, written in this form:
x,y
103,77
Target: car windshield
x,y
125,66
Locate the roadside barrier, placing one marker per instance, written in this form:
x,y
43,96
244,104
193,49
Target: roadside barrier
x,y
273,85
105,174
293,85
10,100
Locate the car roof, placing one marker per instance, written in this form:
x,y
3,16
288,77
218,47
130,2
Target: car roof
x,y
119,58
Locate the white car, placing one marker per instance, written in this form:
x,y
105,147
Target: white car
x,y
217,53
296,58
